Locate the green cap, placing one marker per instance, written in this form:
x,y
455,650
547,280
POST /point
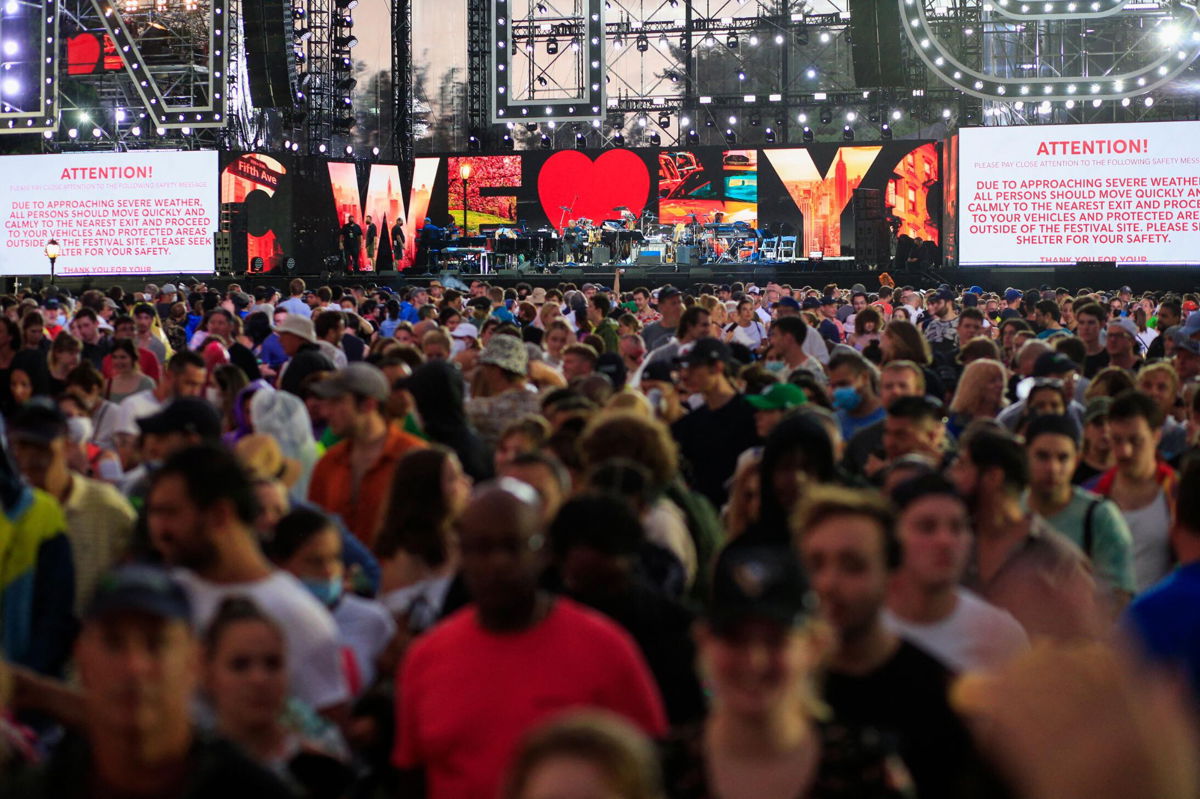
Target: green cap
x,y
778,397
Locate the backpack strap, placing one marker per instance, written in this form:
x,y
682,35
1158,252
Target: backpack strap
x,y
1089,535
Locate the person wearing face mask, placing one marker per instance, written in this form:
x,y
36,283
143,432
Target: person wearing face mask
x,y
83,454
99,520
308,545
854,381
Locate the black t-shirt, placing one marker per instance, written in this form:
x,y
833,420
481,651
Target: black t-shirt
x,y
351,233
216,768
662,629
710,443
1094,363
907,698
95,352
1083,473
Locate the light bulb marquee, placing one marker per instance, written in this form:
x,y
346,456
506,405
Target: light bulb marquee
x,y
163,112
1178,53
37,110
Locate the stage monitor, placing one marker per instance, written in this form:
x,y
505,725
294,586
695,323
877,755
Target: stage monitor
x,y
137,213
1065,194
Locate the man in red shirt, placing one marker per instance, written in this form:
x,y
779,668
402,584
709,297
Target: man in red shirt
x,y
474,685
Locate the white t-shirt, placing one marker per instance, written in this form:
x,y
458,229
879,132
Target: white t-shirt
x,y
366,628
751,335
134,407
975,636
1150,527
313,649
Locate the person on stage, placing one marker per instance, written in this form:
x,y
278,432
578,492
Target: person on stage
x,y
351,236
372,235
399,243
431,243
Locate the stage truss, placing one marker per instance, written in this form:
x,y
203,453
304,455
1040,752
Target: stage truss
x,y
711,71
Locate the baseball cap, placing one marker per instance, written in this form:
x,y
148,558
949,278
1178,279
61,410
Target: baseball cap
x,y
1127,327
299,326
970,300
1185,342
788,302
829,300
506,352
754,290
612,366
858,288
359,378
184,415
138,588
1125,290
810,303
976,290
667,292
759,582
1097,408
38,421
1191,325
704,351
465,330
942,294
778,397
1053,363
661,371
1013,294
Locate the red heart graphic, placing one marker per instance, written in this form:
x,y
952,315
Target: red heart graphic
x,y
592,188
83,51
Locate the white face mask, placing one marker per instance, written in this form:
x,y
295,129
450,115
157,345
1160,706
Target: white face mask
x,y
79,429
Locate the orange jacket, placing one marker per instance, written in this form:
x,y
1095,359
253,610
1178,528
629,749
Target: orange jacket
x,y
332,485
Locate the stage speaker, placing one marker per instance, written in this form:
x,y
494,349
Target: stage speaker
x,y
700,273
687,255
508,273
633,274
571,271
650,257
269,43
601,254
875,43
224,252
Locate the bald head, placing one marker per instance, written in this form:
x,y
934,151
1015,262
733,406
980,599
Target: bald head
x,y
500,542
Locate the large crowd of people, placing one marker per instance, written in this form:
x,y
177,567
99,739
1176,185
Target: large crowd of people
x,y
463,541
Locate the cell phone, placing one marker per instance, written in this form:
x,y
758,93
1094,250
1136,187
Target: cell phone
x,y
655,397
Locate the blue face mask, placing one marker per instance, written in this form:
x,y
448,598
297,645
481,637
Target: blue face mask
x,y
327,592
847,398
775,367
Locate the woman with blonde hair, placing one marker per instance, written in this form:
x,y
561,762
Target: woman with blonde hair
x,y
980,394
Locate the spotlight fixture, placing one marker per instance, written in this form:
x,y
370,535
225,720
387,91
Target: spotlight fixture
x,y
693,138
826,115
885,132
809,138
374,152
769,135
345,42
655,139
346,84
473,143
848,133
755,120
664,119
580,141
618,139
545,142
730,136
349,149
507,142
552,46
643,44
732,41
